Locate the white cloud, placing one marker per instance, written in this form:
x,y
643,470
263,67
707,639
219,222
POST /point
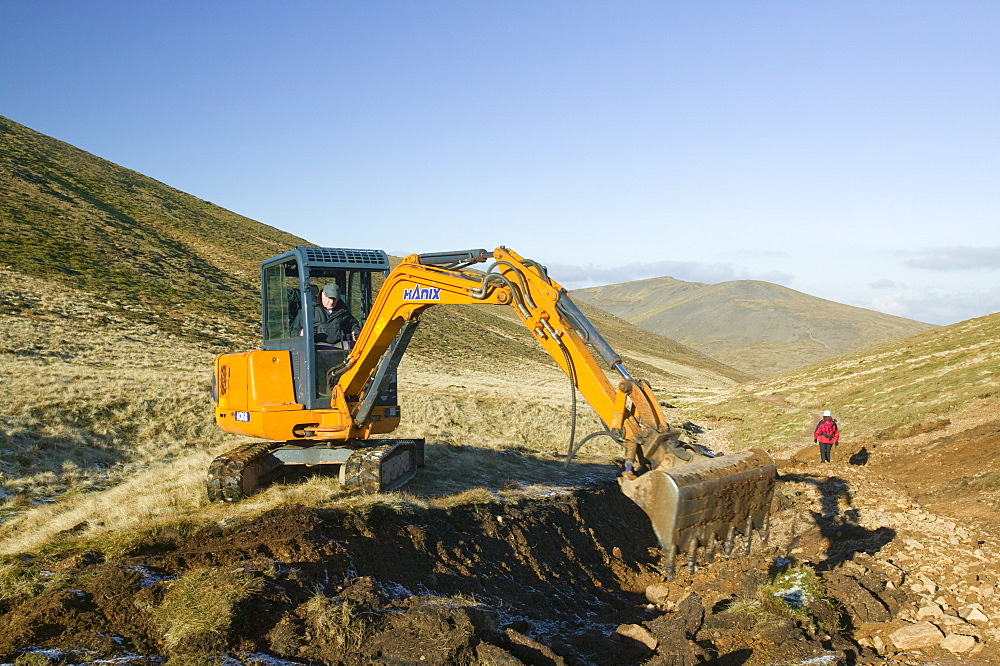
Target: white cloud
x,y
958,259
882,284
939,308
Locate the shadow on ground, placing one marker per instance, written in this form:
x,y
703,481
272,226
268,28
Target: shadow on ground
x,y
451,469
837,521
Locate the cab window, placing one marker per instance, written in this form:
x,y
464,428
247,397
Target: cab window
x,y
355,288
281,300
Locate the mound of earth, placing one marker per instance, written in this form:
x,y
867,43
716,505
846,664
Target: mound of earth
x,y
574,578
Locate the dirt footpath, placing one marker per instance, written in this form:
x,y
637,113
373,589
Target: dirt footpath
x,y
925,498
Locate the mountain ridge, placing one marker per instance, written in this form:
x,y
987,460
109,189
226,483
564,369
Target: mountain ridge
x,y
758,327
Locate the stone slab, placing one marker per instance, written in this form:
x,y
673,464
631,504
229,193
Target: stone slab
x,y
917,635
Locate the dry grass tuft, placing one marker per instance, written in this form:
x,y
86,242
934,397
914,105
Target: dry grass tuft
x,y
469,497
339,624
197,610
115,517
792,591
17,583
33,659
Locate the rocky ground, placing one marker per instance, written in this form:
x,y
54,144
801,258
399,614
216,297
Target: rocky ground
x,y
885,556
925,498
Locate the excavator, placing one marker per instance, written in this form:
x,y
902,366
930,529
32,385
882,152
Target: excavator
x,y
316,401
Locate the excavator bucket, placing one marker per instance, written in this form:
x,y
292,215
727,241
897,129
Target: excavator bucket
x,y
706,503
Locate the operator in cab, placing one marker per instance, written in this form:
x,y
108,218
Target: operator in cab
x,y
332,321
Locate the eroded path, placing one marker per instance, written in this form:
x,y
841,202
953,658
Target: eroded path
x,y
926,504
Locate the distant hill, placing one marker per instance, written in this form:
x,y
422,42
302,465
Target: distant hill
x,y
760,328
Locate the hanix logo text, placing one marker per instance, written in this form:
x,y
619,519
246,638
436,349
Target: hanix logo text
x,y
418,293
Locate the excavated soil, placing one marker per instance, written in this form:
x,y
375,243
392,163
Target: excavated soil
x,y
898,534
560,580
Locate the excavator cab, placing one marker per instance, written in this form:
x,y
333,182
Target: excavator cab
x,y
283,391
290,298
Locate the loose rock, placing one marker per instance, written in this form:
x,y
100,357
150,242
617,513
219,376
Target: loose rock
x,y
931,610
976,616
921,634
658,593
638,633
958,643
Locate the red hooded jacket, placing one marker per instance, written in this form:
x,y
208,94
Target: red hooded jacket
x,y
826,431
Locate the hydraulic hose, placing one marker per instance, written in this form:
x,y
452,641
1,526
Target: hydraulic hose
x,y
542,271
597,433
520,280
570,372
481,293
573,449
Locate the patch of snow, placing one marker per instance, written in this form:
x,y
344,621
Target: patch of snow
x,y
49,653
822,659
795,596
395,590
117,639
149,576
255,659
793,590
130,659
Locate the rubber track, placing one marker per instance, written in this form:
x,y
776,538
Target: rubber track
x,y
363,472
237,474
234,475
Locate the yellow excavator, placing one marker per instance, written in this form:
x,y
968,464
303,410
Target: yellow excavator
x,y
317,393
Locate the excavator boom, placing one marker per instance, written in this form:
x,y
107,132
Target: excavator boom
x,y
693,500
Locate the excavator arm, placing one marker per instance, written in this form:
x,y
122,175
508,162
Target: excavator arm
x,y
692,500
544,307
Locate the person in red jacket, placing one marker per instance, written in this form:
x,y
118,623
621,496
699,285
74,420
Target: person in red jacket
x,y
826,435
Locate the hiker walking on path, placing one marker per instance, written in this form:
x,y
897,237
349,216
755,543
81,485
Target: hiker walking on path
x,y
826,435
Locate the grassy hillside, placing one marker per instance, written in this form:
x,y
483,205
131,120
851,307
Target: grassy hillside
x,y
760,328
86,223
889,391
149,252
481,336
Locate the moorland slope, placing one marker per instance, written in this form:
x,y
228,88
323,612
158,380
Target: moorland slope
x,y
149,252
760,328
86,223
888,391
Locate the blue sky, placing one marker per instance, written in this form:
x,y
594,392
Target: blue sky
x,y
847,149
